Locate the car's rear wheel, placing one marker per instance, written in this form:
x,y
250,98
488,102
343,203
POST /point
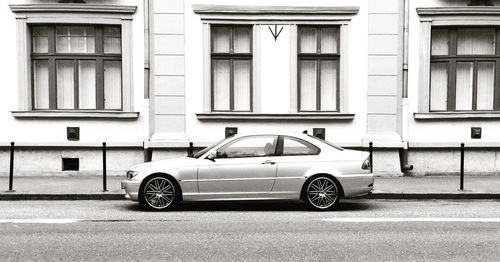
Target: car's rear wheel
x,y
157,193
322,193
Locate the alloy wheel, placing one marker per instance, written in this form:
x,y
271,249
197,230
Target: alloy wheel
x,y
322,193
159,192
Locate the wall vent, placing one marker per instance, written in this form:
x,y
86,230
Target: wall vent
x,y
70,164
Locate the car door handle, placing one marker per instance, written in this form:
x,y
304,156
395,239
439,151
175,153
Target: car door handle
x,y
268,162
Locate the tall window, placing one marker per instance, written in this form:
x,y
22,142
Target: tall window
x,y
318,68
231,54
76,67
464,63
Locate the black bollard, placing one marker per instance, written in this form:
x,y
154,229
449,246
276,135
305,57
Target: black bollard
x,y
104,167
11,170
371,156
462,149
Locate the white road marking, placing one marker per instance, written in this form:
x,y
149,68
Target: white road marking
x,y
39,221
412,219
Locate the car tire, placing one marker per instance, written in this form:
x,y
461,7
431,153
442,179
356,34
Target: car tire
x,y
159,193
322,193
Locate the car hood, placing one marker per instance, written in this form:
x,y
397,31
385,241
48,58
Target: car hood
x,y
170,163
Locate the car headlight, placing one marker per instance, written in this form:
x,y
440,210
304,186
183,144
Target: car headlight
x,y
131,174
366,164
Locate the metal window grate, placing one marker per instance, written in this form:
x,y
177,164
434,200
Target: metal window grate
x,y
70,164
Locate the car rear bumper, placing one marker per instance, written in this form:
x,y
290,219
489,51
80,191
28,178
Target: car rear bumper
x,y
131,189
357,184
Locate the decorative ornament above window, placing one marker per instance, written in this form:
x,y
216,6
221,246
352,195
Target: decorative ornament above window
x,y
480,3
275,33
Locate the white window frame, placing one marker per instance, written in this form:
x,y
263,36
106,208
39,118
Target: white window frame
x,y
39,14
269,15
448,16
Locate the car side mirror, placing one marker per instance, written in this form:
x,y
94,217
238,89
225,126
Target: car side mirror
x,y
212,156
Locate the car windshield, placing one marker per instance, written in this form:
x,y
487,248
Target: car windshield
x,y
202,152
328,143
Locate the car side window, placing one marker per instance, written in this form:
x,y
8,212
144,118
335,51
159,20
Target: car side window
x,y
251,146
294,146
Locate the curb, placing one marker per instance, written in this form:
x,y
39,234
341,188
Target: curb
x,y
432,195
17,196
379,195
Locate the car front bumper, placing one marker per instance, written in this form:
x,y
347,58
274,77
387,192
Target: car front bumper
x,y
131,189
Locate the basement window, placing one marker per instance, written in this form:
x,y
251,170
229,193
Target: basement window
x,y
70,164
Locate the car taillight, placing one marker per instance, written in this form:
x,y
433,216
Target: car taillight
x,y
366,164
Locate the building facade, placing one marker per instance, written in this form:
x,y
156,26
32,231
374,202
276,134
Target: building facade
x,y
415,78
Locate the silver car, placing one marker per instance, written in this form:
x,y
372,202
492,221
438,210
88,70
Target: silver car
x,y
254,167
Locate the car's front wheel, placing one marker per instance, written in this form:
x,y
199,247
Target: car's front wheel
x,y
157,193
322,193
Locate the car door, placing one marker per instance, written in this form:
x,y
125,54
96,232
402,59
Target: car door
x,y
294,158
243,166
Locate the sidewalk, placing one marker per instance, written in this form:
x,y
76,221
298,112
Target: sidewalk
x,y
90,188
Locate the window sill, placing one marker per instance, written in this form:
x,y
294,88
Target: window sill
x,y
257,116
74,114
456,115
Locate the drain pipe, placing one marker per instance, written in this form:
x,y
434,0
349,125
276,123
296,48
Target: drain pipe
x,y
404,152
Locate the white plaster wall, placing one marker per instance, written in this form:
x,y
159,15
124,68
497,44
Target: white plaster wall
x,y
54,130
450,131
275,77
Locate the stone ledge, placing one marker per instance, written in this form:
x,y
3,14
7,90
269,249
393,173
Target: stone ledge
x,y
74,114
258,116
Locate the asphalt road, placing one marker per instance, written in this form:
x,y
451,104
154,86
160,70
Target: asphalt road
x,y
363,230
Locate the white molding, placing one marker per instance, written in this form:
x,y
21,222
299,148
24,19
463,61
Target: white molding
x,y
207,69
462,10
343,65
425,63
293,69
265,117
73,144
446,16
275,13
74,114
274,10
456,115
78,8
27,14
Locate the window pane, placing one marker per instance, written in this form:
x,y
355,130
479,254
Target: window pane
x,y
329,41
307,85
221,84
242,85
479,41
329,85
439,42
220,39
112,85
485,85
308,40
112,40
439,86
62,39
254,146
465,73
75,39
293,146
242,39
86,84
65,84
41,83
40,39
